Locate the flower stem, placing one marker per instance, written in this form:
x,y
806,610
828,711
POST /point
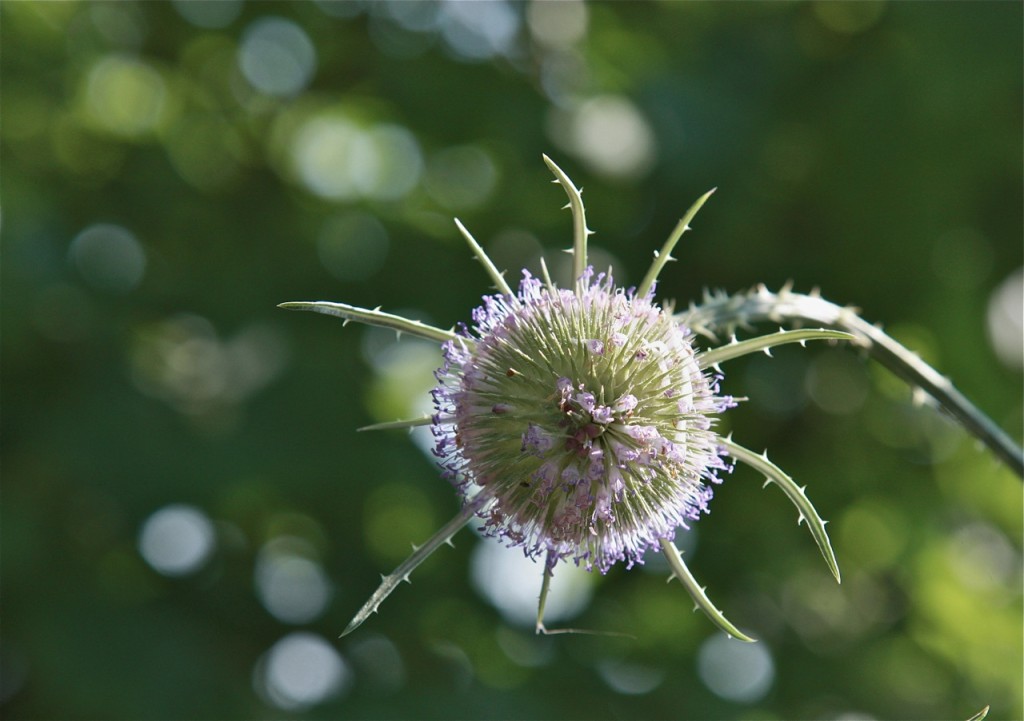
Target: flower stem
x,y
759,305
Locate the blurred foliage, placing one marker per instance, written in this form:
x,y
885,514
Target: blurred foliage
x,y
189,518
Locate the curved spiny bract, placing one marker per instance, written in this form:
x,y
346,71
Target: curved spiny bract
x,y
665,254
390,582
492,270
764,343
398,425
700,598
580,232
794,493
376,317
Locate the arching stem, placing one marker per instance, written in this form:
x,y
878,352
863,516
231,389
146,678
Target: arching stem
x,y
758,305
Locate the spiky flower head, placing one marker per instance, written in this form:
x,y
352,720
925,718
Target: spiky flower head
x,y
582,416
579,424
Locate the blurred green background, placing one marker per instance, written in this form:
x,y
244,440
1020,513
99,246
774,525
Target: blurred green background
x,y
189,517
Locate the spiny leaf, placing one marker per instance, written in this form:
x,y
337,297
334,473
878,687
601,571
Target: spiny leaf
x,y
795,494
764,342
378,318
680,571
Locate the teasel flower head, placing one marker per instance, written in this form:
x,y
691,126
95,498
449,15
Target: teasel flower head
x,y
580,423
583,416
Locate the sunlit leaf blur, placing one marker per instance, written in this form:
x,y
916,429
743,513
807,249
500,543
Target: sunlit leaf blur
x,y
189,516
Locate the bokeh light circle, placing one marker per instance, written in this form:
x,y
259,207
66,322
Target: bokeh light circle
x,y
109,257
276,56
302,670
291,586
511,583
735,670
177,540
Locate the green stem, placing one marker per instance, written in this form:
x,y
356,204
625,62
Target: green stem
x,y
761,305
